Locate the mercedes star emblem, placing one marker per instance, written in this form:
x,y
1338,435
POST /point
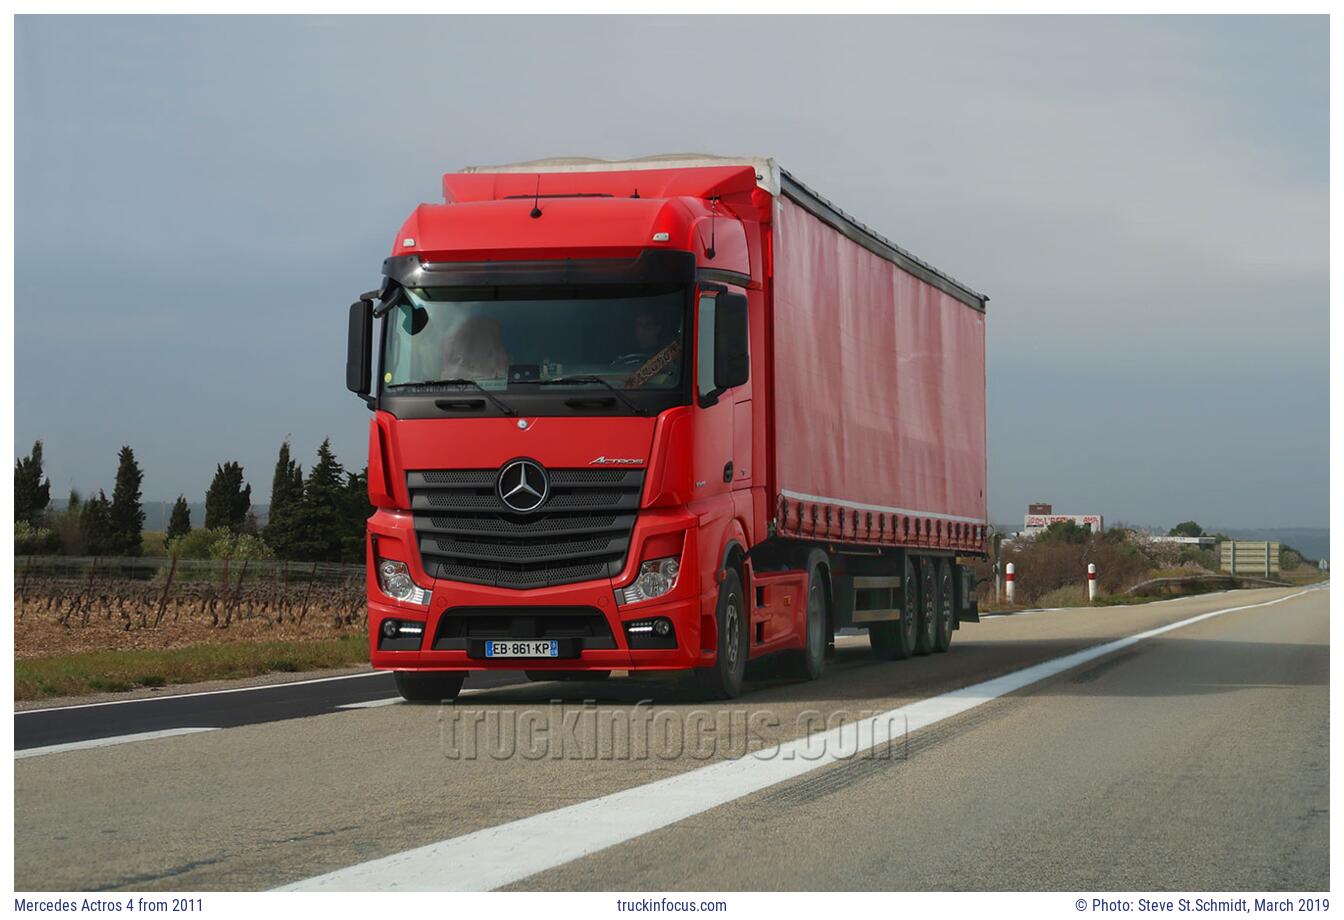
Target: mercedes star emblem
x,y
523,485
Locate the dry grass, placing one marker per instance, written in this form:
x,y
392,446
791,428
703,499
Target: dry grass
x,y
1067,596
121,669
85,635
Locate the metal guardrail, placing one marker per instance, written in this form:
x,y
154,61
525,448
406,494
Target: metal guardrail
x,y
1205,583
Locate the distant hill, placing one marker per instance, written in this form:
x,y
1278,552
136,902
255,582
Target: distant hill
x,y
158,513
1312,542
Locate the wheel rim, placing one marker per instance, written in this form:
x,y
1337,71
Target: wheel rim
x,y
731,632
930,622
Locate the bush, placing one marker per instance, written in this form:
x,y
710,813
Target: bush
x,y
1047,566
1195,557
240,547
219,543
197,543
34,541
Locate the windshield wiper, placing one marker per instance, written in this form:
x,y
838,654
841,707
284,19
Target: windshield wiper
x,y
460,382
589,378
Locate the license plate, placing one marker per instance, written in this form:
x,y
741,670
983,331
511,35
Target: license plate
x,y
523,648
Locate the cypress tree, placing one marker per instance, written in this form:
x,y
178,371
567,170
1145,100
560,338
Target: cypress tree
x,y
284,521
95,525
357,511
32,492
228,498
319,535
179,522
126,516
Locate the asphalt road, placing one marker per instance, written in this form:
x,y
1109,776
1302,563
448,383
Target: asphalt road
x,y
39,728
1046,751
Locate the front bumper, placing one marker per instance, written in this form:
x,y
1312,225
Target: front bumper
x,y
458,617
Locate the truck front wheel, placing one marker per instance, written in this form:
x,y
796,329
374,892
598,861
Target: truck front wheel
x,y
723,679
429,686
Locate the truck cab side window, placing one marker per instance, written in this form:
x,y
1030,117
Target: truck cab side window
x,y
704,348
721,338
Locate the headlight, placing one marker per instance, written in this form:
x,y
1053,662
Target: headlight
x,y
656,577
394,578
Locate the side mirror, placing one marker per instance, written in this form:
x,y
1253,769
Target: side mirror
x,y
732,363
358,364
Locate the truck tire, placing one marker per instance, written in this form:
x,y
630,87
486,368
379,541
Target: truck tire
x,y
895,640
429,686
809,662
567,675
928,606
723,679
947,620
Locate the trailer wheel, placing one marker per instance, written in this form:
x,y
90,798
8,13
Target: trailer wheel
x,y
947,620
723,679
928,606
895,639
808,662
429,686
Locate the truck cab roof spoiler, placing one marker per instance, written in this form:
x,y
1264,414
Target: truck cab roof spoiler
x,y
775,180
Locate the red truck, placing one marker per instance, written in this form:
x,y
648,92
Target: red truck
x,y
670,414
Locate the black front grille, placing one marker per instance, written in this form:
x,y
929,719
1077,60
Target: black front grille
x,y
459,625
581,532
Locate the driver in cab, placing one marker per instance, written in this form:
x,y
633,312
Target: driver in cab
x,y
657,359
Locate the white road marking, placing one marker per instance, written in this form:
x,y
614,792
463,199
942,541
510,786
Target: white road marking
x,y
107,742
371,704
497,856
179,696
393,700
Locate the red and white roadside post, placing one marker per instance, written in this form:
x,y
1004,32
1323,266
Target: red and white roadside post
x,y
1009,580
1091,582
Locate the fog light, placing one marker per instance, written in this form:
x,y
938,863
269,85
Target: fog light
x,y
394,578
651,632
390,628
656,577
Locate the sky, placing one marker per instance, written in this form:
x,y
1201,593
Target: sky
x,y
1144,199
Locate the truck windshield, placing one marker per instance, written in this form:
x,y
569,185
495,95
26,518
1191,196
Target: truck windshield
x,y
628,336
